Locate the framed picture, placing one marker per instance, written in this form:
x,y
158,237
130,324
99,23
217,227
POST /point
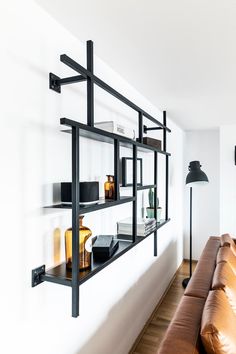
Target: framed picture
x,y
127,171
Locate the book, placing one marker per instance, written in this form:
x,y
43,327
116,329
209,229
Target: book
x,y
144,226
113,127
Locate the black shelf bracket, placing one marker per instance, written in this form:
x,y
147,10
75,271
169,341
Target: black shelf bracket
x,y
36,276
55,82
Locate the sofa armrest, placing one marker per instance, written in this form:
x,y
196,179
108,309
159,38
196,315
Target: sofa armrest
x,y
182,336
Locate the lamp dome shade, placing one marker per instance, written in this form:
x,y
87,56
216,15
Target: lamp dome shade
x,y
196,175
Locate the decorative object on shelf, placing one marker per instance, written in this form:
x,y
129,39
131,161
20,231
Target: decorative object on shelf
x,y
159,211
144,227
104,247
152,142
195,177
89,192
151,210
127,171
84,254
109,187
113,127
143,208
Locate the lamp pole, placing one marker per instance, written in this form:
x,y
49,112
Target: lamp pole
x,y
190,231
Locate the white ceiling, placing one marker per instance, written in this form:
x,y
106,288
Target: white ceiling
x,y
181,55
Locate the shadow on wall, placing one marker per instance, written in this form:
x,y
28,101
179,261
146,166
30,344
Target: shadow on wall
x,y
134,308
51,193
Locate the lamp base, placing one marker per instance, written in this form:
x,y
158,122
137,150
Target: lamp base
x,y
185,282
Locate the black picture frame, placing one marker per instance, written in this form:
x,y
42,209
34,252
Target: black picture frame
x,y
127,171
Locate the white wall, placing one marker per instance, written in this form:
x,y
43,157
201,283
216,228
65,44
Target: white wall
x,y
202,145
114,304
227,179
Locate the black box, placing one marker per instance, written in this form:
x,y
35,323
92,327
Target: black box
x,y
89,192
104,247
152,142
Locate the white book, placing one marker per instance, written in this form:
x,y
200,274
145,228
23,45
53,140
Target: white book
x,y
139,233
115,128
140,221
144,226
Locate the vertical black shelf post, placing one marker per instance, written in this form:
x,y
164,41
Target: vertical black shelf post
x,y
167,187
167,168
164,131
155,200
117,168
75,221
135,193
140,126
90,85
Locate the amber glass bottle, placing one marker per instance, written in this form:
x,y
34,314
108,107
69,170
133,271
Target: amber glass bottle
x,y
84,255
109,187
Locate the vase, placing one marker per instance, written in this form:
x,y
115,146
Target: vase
x,y
84,255
109,187
150,212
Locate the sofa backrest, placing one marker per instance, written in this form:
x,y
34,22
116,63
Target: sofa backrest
x,y
200,282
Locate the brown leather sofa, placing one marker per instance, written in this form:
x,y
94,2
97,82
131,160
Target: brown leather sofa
x,y
205,320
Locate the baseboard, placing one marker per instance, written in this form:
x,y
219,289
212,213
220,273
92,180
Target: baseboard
x,y
155,309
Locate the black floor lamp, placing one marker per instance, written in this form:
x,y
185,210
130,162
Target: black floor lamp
x,y
194,177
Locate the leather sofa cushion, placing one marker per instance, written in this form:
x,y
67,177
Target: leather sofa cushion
x,y
182,335
218,324
225,279
225,254
200,282
226,240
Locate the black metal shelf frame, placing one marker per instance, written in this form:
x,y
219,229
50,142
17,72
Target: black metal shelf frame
x,y
59,274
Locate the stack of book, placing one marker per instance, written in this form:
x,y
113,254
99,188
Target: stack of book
x,y
144,226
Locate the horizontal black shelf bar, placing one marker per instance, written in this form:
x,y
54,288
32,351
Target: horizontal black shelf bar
x,y
61,275
86,73
145,128
140,188
102,135
58,280
102,204
71,80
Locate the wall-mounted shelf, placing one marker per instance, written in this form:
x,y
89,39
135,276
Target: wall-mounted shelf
x,y
75,278
61,275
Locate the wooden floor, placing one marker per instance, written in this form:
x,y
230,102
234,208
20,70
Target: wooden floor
x,y
150,338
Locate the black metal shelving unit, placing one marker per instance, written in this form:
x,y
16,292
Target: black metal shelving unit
x,y
75,278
